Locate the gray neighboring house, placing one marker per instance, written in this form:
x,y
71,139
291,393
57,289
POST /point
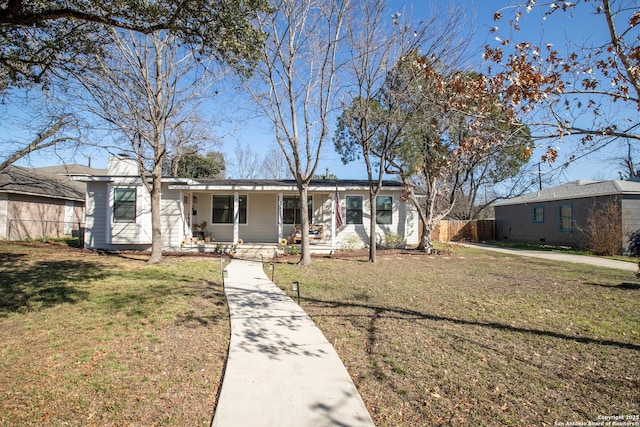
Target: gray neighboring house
x,y
35,203
558,215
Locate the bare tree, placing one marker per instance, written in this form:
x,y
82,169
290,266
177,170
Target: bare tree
x,y
53,133
274,164
147,93
295,84
502,172
192,137
245,164
373,119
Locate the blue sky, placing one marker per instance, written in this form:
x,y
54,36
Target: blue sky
x,y
234,128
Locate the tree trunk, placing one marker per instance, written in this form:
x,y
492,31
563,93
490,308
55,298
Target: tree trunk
x,y
425,239
372,227
156,230
305,254
427,227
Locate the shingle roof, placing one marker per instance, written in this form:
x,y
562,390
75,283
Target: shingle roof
x,y
72,169
19,180
292,182
576,190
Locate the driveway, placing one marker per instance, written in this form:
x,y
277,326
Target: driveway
x,y
557,256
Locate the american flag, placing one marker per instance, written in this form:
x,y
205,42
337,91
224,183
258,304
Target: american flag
x,y
339,222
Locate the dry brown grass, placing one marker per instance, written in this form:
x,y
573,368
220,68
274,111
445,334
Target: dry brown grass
x,y
477,338
468,339
95,340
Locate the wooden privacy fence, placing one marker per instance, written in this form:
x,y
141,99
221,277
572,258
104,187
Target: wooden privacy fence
x,y
470,231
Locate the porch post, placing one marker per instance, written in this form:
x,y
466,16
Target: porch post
x,y
236,217
280,216
334,206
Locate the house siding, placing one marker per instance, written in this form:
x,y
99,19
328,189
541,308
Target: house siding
x,y
31,217
186,204
95,215
4,202
515,223
131,233
173,227
102,233
630,219
357,235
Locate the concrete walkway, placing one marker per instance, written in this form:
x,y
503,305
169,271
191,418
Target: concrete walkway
x,y
558,256
281,370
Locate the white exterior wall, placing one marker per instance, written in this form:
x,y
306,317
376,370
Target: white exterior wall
x,y
173,225
262,217
101,232
404,222
131,233
122,166
411,223
95,215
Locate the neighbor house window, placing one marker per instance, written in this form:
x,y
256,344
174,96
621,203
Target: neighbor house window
x,y
384,210
223,209
564,218
354,209
291,213
538,214
124,205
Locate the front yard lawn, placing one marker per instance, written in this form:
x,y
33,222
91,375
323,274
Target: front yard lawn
x,y
468,338
106,340
479,338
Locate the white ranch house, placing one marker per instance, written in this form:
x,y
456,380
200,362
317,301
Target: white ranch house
x,y
118,213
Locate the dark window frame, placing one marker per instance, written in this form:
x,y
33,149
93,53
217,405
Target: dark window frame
x,y
124,208
354,214
291,215
227,212
385,211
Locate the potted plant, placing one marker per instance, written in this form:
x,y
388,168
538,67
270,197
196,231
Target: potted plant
x,y
207,236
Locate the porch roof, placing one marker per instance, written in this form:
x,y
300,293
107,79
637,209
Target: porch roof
x,y
325,185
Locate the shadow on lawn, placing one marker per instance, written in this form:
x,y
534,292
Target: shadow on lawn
x,y
625,286
378,312
43,283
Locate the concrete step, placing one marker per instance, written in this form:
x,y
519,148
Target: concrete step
x,y
255,252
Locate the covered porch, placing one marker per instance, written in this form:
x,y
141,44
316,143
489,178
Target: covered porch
x,y
251,213
252,251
